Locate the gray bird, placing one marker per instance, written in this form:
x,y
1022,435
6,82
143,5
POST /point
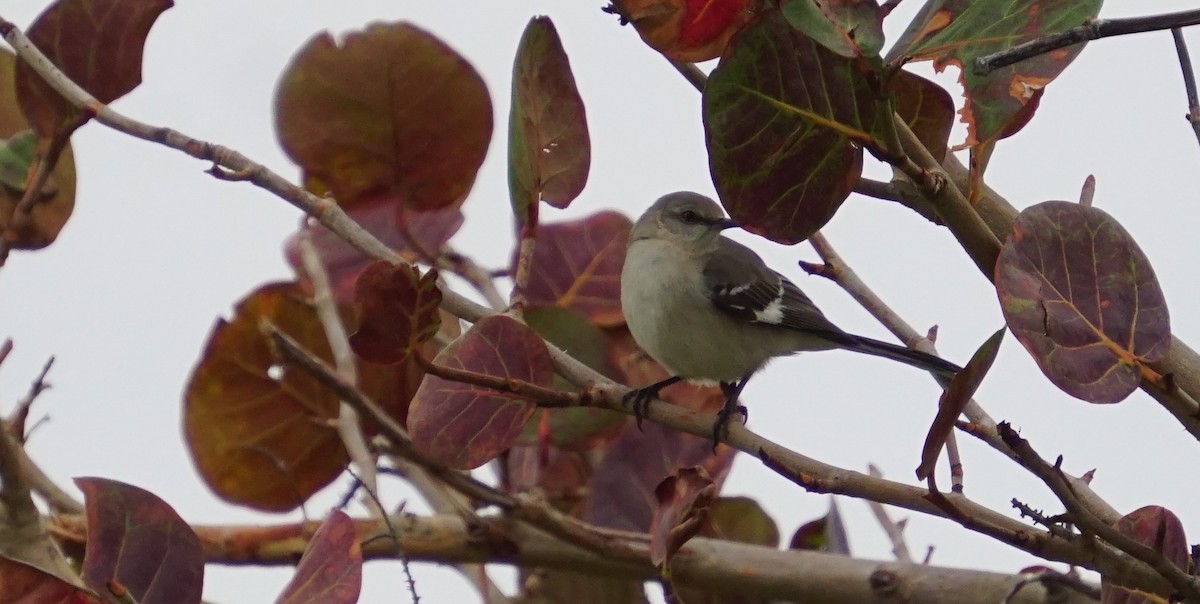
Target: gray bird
x,y
708,309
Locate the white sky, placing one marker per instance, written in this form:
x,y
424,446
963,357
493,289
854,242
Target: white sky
x,y
157,250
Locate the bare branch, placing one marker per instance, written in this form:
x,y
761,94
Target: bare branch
x,y
1189,81
1092,30
893,530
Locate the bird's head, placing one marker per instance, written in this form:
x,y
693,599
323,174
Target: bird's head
x,y
685,218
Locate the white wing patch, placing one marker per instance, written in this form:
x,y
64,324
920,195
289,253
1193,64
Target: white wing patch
x,y
772,313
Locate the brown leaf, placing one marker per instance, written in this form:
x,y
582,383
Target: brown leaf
x,y
954,399
390,109
1159,529
97,44
1080,295
136,540
330,571
399,311
577,265
549,151
259,432
681,511
927,108
688,30
57,199
464,425
23,584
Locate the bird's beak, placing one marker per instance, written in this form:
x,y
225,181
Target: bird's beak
x,y
727,224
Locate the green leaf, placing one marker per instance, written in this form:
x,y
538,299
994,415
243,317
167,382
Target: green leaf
x,y
549,150
850,28
780,113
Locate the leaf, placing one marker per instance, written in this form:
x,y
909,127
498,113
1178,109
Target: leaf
x,y
578,264
97,44
261,433
549,151
956,32
136,540
780,114
927,109
463,425
392,109
388,220
399,311
954,399
825,534
24,584
1157,528
1080,295
850,28
687,30
57,198
330,571
743,520
572,427
681,511
16,157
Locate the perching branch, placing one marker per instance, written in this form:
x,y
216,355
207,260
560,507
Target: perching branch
x,y
1092,30
708,564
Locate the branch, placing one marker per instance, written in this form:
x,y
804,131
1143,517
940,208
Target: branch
x,y
1189,81
894,531
1093,29
709,564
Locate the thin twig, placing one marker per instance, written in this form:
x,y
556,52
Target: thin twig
x,y
1091,30
1189,81
395,537
891,528
349,427
691,73
21,413
546,397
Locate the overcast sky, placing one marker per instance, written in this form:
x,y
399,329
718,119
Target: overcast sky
x,y
157,249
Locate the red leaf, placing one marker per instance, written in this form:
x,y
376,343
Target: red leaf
x,y
390,109
688,30
1159,529
549,151
399,311
464,425
681,511
578,265
24,584
330,571
137,541
96,43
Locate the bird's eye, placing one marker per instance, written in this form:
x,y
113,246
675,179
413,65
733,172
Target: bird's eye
x,y
690,216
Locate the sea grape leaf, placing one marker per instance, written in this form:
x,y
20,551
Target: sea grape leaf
x,y
549,150
850,28
577,265
785,120
399,311
927,108
330,571
138,541
391,109
465,425
98,44
681,510
21,583
260,432
1080,295
1159,529
824,534
687,30
956,32
56,200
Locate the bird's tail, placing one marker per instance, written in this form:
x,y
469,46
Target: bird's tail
x,y
939,366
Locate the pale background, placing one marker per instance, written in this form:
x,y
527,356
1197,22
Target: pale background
x,y
157,250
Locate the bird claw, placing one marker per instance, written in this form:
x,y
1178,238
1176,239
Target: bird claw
x,y
639,401
721,426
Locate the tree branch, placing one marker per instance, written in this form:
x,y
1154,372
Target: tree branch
x,y
710,564
1189,81
1091,30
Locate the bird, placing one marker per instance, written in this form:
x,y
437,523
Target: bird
x,y
708,309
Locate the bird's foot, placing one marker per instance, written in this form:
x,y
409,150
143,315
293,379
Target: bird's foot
x,y
639,400
721,426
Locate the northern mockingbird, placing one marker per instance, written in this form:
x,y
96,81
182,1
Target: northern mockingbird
x,y
708,309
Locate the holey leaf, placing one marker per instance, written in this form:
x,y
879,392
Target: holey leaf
x,y
390,109
549,151
464,425
97,44
956,32
1081,297
781,114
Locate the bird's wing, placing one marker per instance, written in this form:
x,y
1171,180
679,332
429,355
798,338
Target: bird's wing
x,y
742,286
